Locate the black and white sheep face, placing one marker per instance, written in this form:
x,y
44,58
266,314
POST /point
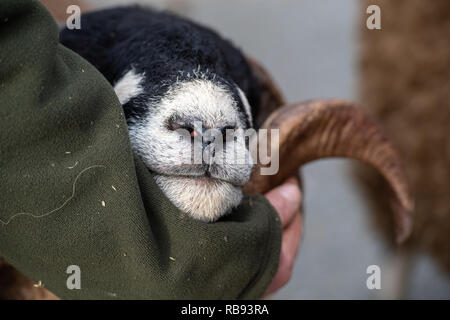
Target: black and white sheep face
x,y
193,138
172,74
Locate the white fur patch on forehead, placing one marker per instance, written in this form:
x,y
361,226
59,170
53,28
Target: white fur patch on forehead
x,y
129,86
204,100
247,107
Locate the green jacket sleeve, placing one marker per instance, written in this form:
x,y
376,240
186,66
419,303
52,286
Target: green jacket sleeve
x,y
71,192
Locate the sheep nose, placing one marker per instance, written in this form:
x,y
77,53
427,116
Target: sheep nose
x,y
211,135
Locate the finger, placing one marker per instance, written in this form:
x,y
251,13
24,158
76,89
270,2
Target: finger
x,y
289,248
286,200
291,239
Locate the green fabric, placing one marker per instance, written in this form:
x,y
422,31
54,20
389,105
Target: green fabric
x,y
66,161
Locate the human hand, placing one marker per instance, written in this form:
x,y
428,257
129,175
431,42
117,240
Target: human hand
x,y
286,199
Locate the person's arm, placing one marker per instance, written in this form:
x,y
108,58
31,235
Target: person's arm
x,y
72,194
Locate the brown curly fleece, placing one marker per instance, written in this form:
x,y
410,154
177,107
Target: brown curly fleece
x,y
405,83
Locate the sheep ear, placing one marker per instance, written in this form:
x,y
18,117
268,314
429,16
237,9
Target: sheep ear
x,y
334,128
270,97
129,86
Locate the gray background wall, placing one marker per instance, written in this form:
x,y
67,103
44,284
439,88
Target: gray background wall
x,y
310,47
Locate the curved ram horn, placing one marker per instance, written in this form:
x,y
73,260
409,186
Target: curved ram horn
x,y
334,128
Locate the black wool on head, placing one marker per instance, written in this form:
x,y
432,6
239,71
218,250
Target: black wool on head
x,y
162,45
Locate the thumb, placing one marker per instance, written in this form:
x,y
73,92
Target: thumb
x,y
286,200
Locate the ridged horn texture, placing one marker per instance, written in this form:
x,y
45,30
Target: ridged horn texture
x,y
324,128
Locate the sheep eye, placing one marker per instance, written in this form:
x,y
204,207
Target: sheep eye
x,y
173,126
173,123
189,129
